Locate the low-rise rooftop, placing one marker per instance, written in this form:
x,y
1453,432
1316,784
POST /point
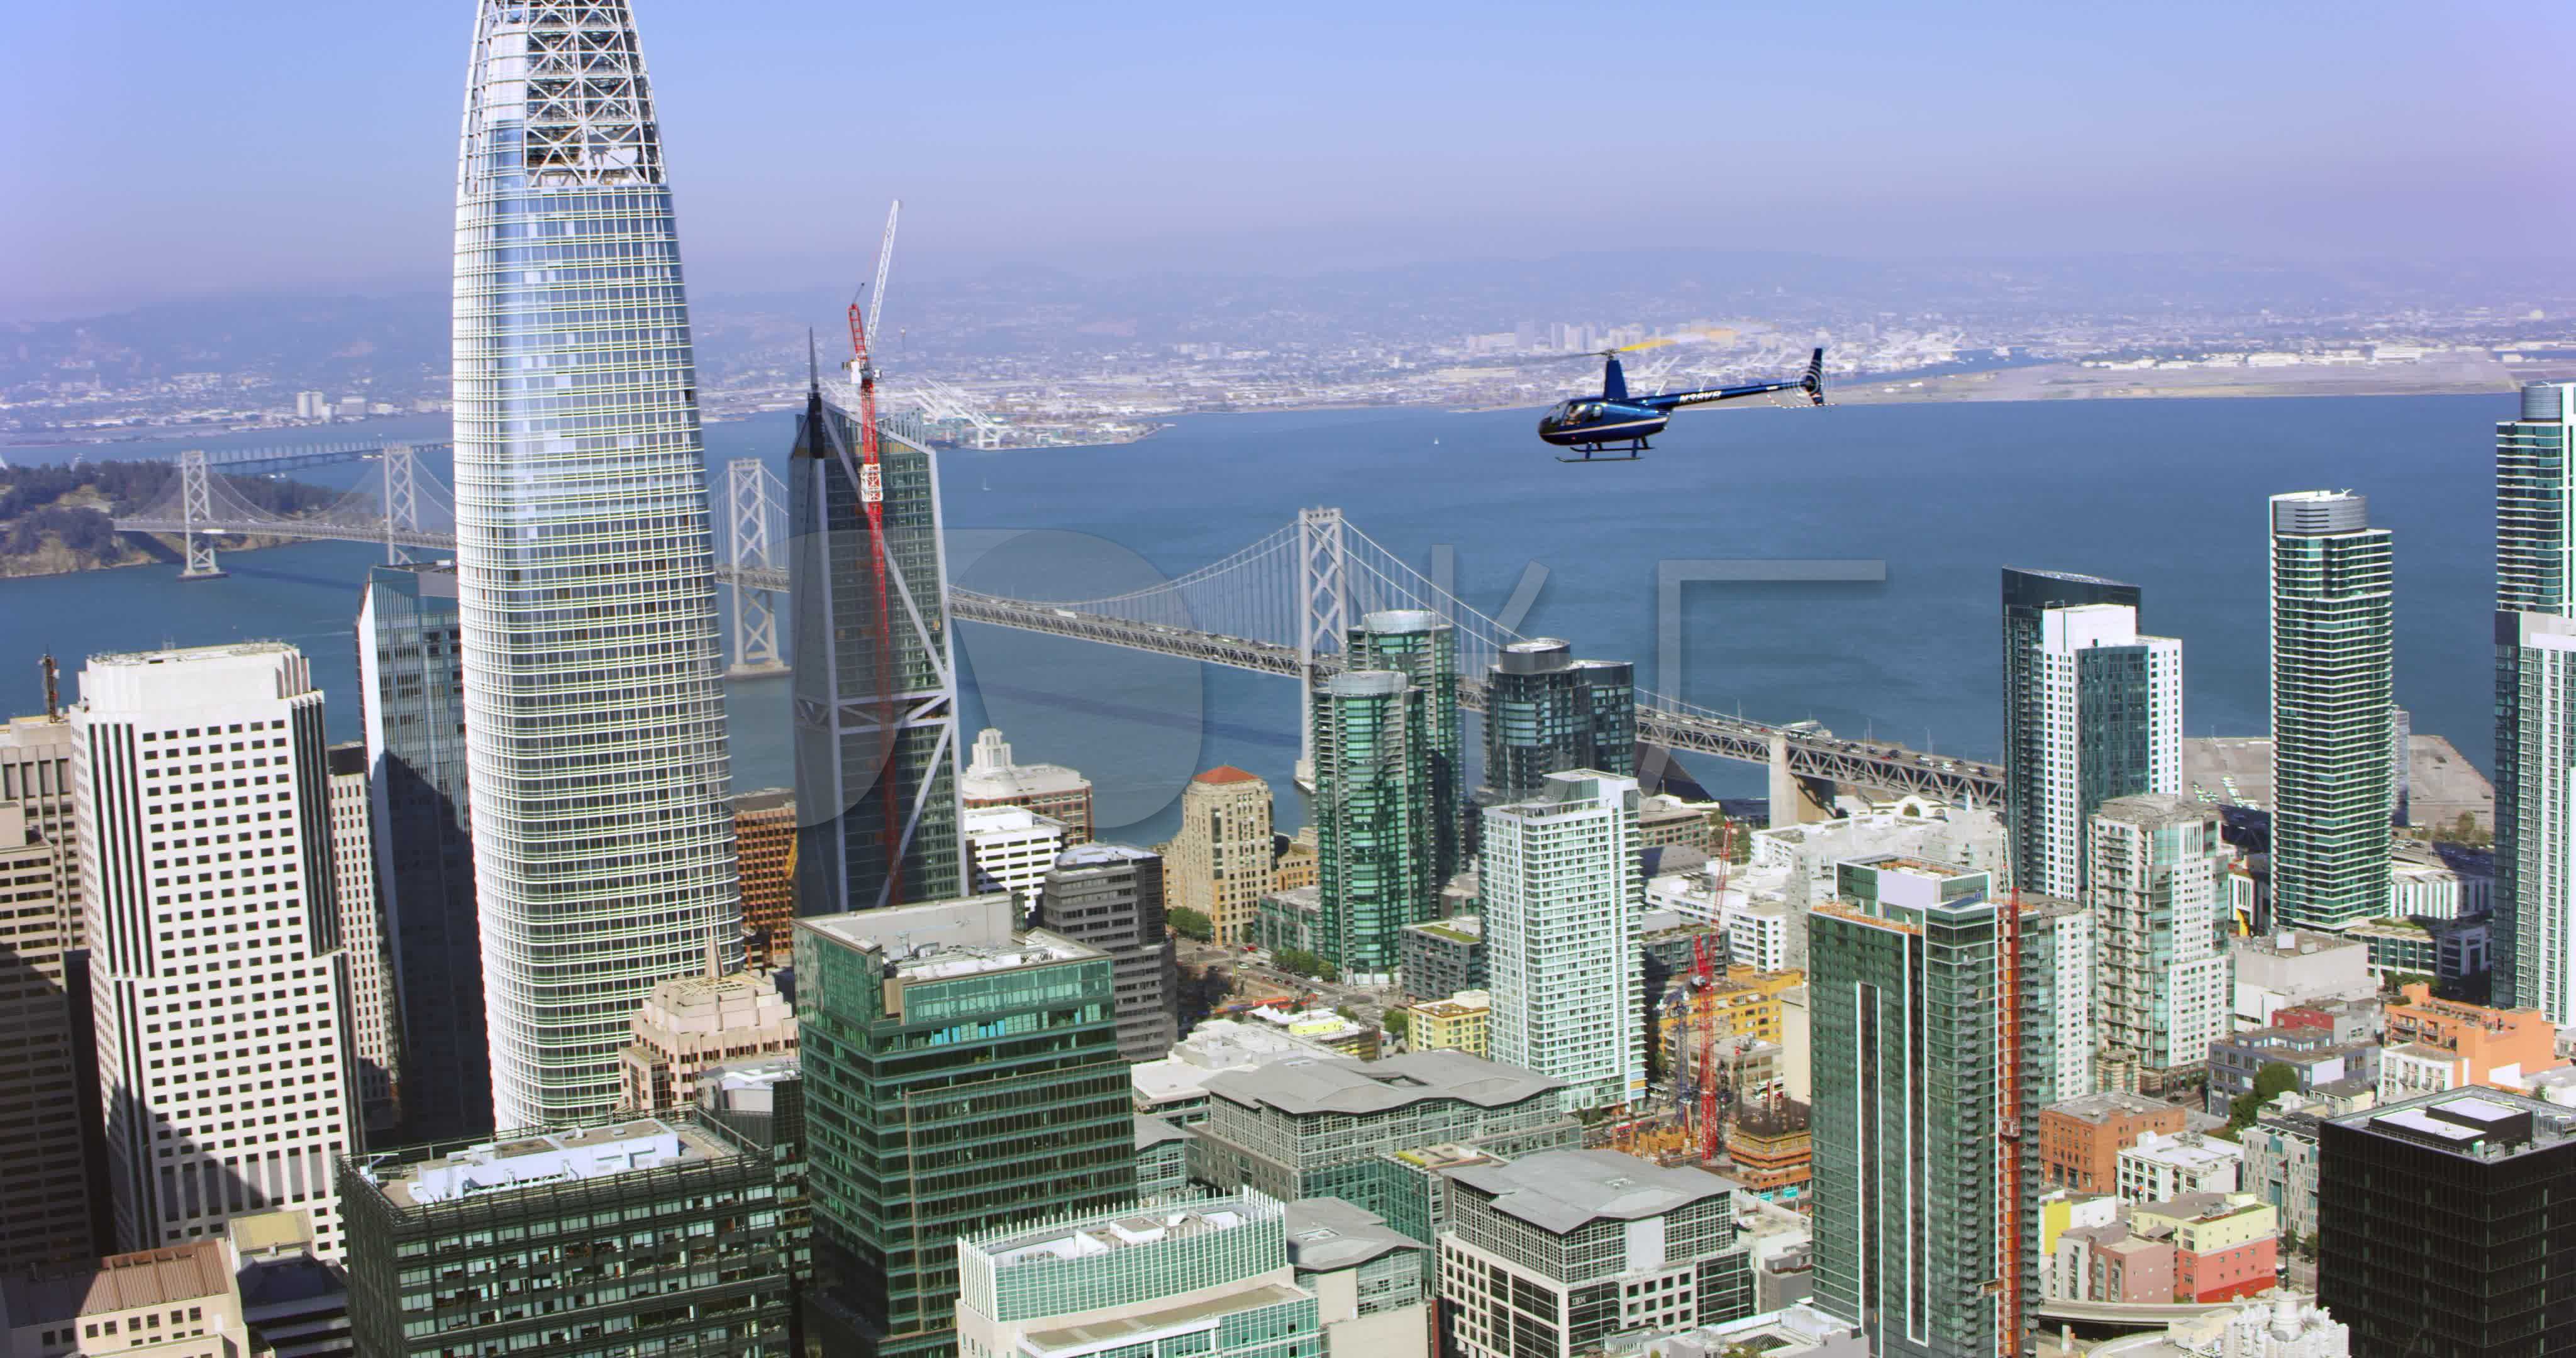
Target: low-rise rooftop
x,y
119,1282
1559,1191
532,1161
2100,1108
1327,1235
1116,1334
1304,1086
2476,1123
1104,1235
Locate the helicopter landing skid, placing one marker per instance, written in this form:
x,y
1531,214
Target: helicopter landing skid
x,y
1627,455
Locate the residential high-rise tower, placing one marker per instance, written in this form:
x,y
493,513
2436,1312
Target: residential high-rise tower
x,y
594,682
1423,648
1375,840
2163,977
2028,597
2333,783
1907,1033
2109,722
1563,887
1547,712
2535,735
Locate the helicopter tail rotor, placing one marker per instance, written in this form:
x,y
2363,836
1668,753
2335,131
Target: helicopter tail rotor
x,y
1814,382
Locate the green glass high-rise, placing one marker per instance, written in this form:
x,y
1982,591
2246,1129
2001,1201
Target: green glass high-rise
x,y
1373,818
2333,781
2535,735
1424,649
961,1075
1907,1040
1547,712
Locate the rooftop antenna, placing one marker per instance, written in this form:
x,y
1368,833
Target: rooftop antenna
x,y
53,688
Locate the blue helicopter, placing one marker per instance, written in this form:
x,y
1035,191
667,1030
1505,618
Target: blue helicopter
x,y
1590,424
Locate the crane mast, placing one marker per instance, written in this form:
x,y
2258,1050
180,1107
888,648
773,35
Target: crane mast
x,y
863,370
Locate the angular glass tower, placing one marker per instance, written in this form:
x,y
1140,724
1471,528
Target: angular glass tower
x,y
876,695
2028,597
2333,781
1373,831
1424,649
2535,646
411,680
594,694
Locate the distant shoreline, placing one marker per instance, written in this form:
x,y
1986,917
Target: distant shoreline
x,y
2035,382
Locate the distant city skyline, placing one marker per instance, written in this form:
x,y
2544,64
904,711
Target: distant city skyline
x,y
1434,133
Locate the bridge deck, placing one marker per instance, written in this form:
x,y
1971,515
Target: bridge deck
x,y
1885,767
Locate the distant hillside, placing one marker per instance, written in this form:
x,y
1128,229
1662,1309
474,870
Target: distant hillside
x,y
56,519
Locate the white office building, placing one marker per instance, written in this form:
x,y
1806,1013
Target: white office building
x,y
1562,889
2109,725
221,993
1013,849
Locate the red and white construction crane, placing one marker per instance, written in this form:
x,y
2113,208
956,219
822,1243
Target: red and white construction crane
x,y
863,372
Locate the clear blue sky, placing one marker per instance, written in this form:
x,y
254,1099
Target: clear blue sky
x,y
156,146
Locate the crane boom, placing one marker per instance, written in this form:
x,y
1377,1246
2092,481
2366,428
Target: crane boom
x,y
885,261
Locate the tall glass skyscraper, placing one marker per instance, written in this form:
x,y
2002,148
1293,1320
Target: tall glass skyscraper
x,y
876,694
411,683
2028,597
2333,781
594,696
1907,1033
1423,648
1373,831
2535,641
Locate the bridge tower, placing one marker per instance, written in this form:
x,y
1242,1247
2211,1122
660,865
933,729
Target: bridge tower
x,y
755,610
196,506
1324,613
402,501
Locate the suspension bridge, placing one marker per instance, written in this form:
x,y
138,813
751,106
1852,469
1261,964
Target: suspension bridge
x,y
1280,606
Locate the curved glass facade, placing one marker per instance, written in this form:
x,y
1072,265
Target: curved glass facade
x,y
594,703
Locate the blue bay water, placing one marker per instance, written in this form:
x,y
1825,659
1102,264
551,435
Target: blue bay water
x,y
2167,494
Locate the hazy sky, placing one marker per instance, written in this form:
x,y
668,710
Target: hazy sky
x,y
157,146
